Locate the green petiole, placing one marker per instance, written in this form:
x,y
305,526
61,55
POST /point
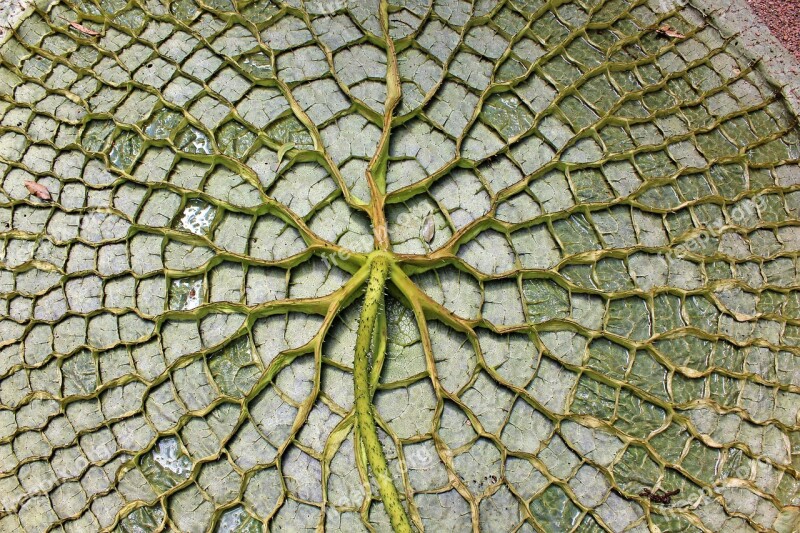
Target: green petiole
x,y
365,418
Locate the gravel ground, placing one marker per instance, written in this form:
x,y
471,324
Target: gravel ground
x,y
10,10
783,19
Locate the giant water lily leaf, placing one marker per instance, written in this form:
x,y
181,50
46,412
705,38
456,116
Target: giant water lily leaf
x,y
430,265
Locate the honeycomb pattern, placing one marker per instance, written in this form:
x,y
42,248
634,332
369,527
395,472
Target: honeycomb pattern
x,y
595,228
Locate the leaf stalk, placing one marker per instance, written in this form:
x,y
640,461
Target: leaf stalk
x,y
365,416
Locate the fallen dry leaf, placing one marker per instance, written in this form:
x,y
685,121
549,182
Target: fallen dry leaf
x,y
38,190
81,28
428,229
670,32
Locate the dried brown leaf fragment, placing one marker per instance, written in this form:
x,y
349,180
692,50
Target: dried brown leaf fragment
x,y
669,31
81,28
38,190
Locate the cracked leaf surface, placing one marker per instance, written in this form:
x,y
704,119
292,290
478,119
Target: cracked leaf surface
x,y
607,301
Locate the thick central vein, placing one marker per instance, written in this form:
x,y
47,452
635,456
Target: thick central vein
x,y
379,270
365,417
377,167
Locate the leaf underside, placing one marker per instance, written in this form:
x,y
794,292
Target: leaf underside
x,y
589,227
